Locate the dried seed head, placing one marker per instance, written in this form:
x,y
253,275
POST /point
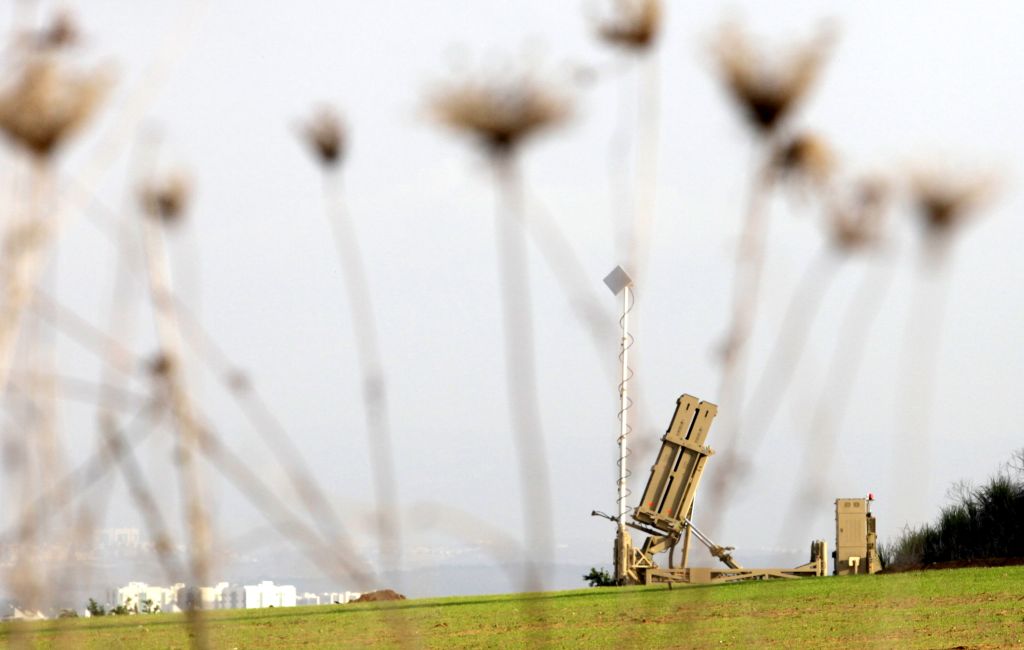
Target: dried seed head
x,y
325,135
47,102
61,32
633,24
160,365
239,381
166,198
945,199
857,219
162,544
804,157
499,110
766,88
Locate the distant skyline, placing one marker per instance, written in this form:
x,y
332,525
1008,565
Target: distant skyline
x,y
907,84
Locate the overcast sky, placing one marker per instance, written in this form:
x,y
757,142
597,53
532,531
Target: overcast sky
x,y
907,83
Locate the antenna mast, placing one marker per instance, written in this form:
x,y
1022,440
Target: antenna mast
x,y
618,281
624,402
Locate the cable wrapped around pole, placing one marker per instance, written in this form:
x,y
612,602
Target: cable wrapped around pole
x,y
624,404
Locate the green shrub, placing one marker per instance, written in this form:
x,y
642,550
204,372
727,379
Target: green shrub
x,y
980,523
95,609
599,578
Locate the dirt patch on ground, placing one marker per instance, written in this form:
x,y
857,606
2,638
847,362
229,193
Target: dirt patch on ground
x,y
959,564
378,596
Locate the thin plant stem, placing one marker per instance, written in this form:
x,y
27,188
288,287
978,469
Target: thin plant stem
x,y
374,387
520,370
619,149
142,495
119,358
125,123
338,561
333,556
912,452
120,321
745,292
787,350
574,281
267,425
833,402
22,251
81,390
745,289
118,452
77,482
253,406
104,346
646,177
374,383
643,205
22,243
116,366
183,415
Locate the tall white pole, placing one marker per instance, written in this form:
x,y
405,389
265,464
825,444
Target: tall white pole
x,y
623,407
618,281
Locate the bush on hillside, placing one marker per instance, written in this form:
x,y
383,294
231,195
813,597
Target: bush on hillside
x,y
599,578
980,523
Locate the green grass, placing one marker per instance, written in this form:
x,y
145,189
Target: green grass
x,y
975,608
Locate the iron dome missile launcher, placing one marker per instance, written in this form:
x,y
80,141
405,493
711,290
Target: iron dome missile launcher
x,y
666,510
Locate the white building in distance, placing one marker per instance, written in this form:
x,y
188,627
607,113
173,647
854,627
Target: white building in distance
x,y
328,598
17,614
265,594
137,594
223,595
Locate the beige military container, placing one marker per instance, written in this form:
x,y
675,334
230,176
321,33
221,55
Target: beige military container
x,y
856,540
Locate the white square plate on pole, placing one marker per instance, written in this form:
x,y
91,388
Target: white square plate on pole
x,y
617,280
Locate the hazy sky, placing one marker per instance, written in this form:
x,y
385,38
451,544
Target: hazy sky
x,y
907,83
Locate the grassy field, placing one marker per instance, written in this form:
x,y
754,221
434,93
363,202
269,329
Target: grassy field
x,y
972,608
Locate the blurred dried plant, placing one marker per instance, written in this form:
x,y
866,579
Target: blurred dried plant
x,y
855,217
166,197
47,101
500,109
805,159
43,100
821,435
159,365
632,24
856,221
61,32
768,88
325,134
944,199
175,390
